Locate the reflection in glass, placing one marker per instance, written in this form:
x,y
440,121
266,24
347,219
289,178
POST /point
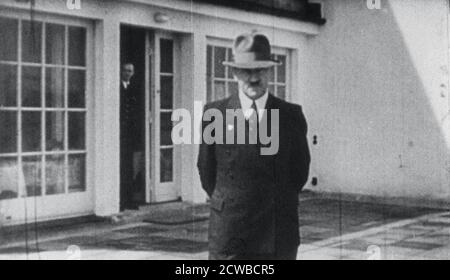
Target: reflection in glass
x,y
166,128
31,86
8,129
219,57
54,87
166,163
32,170
77,88
8,42
54,131
166,92
31,131
54,174
8,85
31,41
54,44
77,173
77,131
166,56
219,90
9,178
77,46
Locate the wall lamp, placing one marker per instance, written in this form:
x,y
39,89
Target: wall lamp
x,y
161,17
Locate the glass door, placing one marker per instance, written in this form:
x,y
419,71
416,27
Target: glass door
x,y
161,169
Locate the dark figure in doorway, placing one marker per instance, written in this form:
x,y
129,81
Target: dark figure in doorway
x,y
130,138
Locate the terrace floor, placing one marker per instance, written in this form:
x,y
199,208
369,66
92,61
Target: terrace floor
x,y
330,228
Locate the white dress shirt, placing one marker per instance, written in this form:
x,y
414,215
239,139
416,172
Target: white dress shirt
x,y
125,84
246,104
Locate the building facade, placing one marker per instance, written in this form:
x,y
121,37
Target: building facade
x,y
60,103
373,84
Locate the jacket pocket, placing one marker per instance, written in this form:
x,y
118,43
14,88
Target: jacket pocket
x,y
217,203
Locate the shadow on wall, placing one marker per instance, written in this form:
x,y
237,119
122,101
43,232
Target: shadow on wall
x,y
378,99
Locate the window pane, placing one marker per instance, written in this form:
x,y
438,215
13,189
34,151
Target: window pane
x,y
8,135
9,178
55,40
166,165
233,88
32,170
166,56
271,74
8,43
31,131
54,174
77,88
8,85
209,93
31,41
166,92
209,78
219,90
229,58
77,46
219,57
166,129
77,131
54,87
31,87
209,61
54,131
77,173
281,92
281,70
272,89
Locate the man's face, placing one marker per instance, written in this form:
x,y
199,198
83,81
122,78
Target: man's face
x,y
253,82
127,72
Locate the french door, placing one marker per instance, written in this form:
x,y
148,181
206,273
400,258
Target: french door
x,y
161,90
45,108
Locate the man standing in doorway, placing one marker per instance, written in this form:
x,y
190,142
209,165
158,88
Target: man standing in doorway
x,y
254,197
129,135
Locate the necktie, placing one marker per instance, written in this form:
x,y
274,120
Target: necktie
x,y
255,110
253,123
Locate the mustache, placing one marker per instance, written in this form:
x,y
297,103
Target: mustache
x,y
254,84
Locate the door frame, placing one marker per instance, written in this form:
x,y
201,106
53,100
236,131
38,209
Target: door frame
x,y
155,190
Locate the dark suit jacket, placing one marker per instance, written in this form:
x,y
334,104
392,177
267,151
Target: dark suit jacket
x,y
132,117
255,216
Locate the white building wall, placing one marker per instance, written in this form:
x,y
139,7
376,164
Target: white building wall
x,y
377,98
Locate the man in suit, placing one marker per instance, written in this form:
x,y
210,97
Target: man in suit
x,y
130,135
254,197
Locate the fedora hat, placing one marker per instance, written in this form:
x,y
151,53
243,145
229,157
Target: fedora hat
x,y
250,51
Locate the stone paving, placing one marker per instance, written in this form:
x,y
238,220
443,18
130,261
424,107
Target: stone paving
x,y
331,229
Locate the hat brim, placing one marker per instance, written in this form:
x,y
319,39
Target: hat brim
x,y
252,65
